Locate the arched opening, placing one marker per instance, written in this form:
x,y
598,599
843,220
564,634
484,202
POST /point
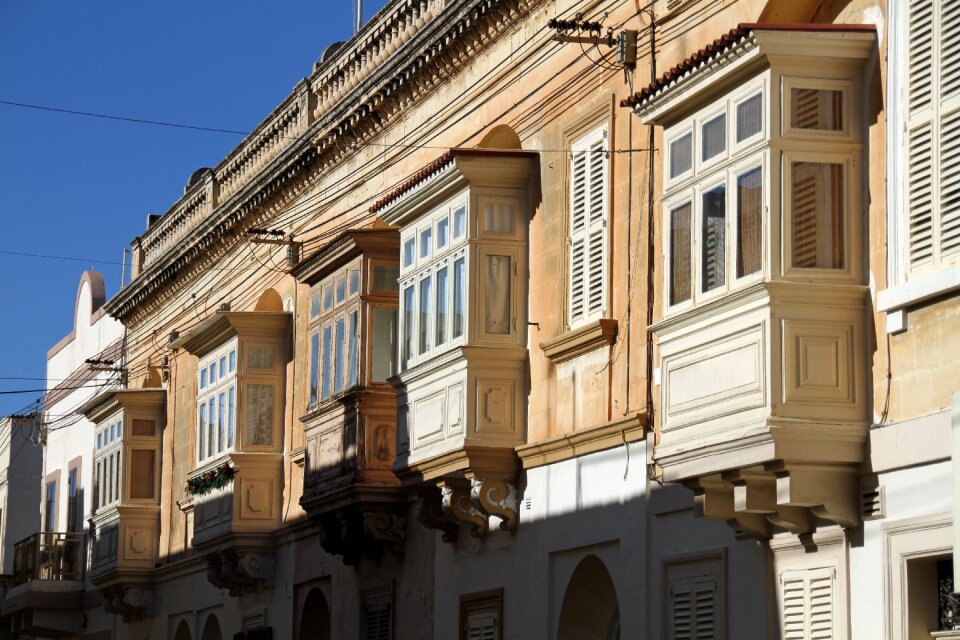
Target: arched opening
x,y
269,301
183,631
315,619
211,630
500,137
590,608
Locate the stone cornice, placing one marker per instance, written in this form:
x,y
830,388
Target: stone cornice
x,y
616,433
349,106
579,341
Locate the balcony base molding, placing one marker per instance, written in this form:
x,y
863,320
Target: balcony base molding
x,y
362,532
131,601
241,565
431,514
471,499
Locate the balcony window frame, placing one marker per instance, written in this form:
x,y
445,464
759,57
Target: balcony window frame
x,y
789,132
349,306
208,390
108,462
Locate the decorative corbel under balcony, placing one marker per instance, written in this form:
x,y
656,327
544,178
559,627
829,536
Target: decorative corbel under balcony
x,y
126,480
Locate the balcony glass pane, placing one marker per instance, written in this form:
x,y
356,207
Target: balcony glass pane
x,y
443,232
459,295
259,415
409,247
497,218
408,321
681,155
443,279
816,109
353,282
341,289
681,239
713,137
426,303
817,215
314,304
749,222
232,361
497,281
426,242
385,278
314,367
352,350
713,245
384,347
143,428
459,222
749,117
327,297
201,430
142,471
231,415
258,358
338,342
326,387
212,427
221,421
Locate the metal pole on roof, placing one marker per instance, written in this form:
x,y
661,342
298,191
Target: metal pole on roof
x,y
359,22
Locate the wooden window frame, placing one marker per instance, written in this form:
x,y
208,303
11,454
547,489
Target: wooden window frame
x,y
487,601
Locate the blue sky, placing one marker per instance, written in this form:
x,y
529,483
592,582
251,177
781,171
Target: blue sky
x,y
82,187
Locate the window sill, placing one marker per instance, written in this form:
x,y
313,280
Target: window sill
x,y
579,341
630,428
299,456
915,292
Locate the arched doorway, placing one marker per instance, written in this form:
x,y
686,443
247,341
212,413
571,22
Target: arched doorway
x,y
211,630
183,631
591,610
315,619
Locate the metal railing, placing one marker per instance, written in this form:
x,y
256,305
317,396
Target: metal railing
x,y
49,555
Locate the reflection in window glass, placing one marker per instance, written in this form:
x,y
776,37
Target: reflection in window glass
x,y
426,241
202,429
341,289
681,155
327,297
232,361
353,278
459,295
497,311
259,412
315,304
680,254
749,117
384,349
408,322
221,421
459,222
424,324
408,250
443,230
314,366
713,254
352,351
223,366
817,215
338,357
385,278
713,135
442,280
326,386
203,378
231,415
816,109
498,218
749,222
212,426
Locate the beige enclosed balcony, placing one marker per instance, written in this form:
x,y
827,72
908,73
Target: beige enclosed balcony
x,y
350,424
235,496
462,381
763,340
126,498
45,597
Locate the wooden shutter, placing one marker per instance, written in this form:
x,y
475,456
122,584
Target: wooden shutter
x,y
482,626
808,604
693,610
933,133
377,620
588,227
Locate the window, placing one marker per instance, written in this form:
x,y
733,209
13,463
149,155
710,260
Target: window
x,y
377,614
216,399
480,615
807,603
694,598
932,116
334,333
50,506
433,294
714,210
107,462
587,240
73,514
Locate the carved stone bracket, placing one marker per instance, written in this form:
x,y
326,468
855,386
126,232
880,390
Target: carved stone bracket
x,y
241,571
457,504
430,513
497,498
352,533
385,528
129,601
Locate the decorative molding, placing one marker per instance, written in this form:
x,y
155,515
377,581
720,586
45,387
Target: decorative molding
x,y
495,497
616,433
589,337
129,601
241,571
457,504
430,512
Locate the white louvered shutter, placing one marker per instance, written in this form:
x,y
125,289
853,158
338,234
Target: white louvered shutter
x,y
589,198
482,626
808,604
933,134
693,613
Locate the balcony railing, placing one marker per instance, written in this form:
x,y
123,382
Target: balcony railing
x,y
50,555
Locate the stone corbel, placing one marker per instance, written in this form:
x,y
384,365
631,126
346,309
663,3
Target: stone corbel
x,y
457,504
430,513
713,498
385,529
497,498
241,571
130,602
831,492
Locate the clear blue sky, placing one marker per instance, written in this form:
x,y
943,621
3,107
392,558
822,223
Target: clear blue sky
x,y
82,187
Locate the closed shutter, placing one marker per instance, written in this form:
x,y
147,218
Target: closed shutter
x,y
808,604
933,134
588,227
482,626
693,610
378,614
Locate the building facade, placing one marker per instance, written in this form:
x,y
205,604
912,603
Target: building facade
x,y
496,329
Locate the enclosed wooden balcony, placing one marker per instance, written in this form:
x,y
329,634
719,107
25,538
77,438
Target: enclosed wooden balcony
x,y
46,597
